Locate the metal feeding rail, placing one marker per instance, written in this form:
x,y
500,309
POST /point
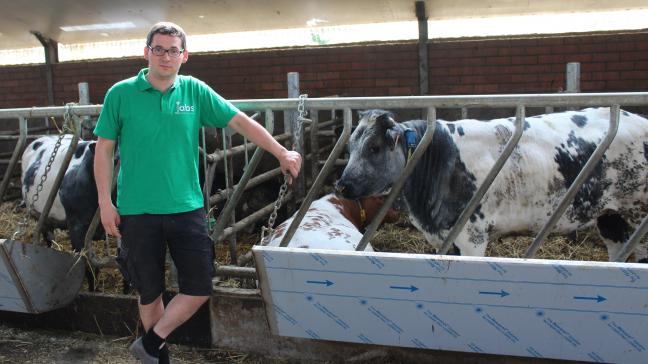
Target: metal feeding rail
x,y
589,311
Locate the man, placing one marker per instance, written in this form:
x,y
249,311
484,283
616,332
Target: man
x,y
155,118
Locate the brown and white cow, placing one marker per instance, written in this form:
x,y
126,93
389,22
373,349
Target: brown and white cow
x,y
332,222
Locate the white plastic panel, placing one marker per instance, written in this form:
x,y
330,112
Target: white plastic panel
x,y
590,311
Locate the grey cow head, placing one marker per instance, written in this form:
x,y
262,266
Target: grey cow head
x,y
376,157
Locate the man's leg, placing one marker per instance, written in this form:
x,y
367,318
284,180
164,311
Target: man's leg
x,y
179,310
142,254
192,252
150,314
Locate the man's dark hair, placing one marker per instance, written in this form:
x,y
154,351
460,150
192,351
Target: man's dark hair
x,y
167,28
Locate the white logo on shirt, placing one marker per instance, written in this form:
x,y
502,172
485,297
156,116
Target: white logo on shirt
x,y
183,108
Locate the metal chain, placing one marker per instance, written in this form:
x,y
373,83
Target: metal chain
x,y
22,226
268,230
301,107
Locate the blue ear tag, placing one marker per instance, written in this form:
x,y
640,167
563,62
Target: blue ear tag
x,y
410,140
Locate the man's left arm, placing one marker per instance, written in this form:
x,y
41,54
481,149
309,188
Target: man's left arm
x,y
289,161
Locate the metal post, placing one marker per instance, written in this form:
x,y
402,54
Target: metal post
x,y
229,182
18,151
314,145
51,56
84,94
84,99
424,86
296,127
573,77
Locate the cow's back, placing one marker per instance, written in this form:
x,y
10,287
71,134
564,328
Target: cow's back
x,y
551,152
323,227
33,164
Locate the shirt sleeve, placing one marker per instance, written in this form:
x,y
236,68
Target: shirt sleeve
x,y
109,125
215,111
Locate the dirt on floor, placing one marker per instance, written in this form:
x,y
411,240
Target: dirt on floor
x,y
38,346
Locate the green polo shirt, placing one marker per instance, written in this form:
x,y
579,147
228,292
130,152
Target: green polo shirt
x,y
157,135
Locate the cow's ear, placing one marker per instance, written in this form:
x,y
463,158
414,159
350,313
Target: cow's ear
x,y
386,120
392,137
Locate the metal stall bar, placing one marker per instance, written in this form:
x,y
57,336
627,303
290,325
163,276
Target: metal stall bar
x,y
95,261
253,182
59,177
17,153
488,181
415,102
396,188
317,184
252,218
396,102
239,149
314,145
223,218
632,242
576,185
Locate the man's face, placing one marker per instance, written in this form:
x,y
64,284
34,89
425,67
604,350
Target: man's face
x,y
165,67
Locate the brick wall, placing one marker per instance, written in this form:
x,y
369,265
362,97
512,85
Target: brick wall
x,y
609,62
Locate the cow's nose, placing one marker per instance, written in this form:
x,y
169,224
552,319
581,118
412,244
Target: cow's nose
x,y
339,187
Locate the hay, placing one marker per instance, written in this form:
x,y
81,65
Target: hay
x,y
400,237
403,238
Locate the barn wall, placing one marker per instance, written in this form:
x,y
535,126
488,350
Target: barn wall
x,y
609,62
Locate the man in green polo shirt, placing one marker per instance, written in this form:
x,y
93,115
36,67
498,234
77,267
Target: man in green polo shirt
x,y
155,118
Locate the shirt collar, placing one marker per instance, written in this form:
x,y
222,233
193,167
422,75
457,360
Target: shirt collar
x,y
143,84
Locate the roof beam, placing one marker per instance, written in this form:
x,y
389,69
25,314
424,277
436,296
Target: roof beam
x,y
51,56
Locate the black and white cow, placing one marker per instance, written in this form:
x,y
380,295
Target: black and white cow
x,y
529,187
76,201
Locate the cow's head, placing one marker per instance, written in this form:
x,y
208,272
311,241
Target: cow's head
x,y
377,158
87,127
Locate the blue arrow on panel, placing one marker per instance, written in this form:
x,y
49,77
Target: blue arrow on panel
x,y
411,288
598,298
326,282
501,293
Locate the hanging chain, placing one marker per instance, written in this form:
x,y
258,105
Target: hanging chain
x,y
268,230
68,125
301,107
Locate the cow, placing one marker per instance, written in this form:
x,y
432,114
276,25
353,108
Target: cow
x,y
333,223
551,152
76,201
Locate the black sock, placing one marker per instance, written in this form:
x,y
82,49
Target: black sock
x,y
164,355
152,343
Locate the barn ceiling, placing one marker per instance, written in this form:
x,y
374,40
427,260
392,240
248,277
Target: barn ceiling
x,y
130,19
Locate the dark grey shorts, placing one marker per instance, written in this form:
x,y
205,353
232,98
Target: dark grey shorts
x,y
143,252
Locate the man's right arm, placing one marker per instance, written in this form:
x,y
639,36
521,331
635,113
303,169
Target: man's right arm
x,y
103,171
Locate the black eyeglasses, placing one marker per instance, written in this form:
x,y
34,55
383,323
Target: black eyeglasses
x,y
159,51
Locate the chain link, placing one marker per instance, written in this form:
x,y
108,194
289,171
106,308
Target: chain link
x,y
301,107
268,230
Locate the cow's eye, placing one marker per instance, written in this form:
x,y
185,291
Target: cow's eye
x,y
374,149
